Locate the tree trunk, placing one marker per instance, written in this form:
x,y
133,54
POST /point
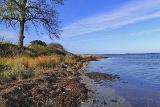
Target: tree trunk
x,y
21,34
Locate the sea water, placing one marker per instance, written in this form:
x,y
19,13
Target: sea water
x,y
139,81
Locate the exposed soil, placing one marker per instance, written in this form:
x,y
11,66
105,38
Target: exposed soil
x,y
61,88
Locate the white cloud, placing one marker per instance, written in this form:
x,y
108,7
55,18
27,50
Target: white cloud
x,y
136,11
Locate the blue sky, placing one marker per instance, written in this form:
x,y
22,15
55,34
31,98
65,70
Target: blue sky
x,y
105,26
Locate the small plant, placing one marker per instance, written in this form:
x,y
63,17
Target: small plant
x,y
12,69
14,74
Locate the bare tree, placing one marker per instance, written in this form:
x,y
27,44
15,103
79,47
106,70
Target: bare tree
x,y
35,12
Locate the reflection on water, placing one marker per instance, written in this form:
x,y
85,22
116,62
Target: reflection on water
x,y
140,77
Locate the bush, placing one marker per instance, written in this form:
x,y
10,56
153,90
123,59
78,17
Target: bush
x,y
34,49
48,50
55,46
38,42
9,49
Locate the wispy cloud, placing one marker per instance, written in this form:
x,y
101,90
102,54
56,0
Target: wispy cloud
x,y
144,32
7,34
134,12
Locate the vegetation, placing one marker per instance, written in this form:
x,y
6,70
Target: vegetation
x,y
40,75
36,75
38,42
30,12
55,45
12,69
18,63
9,49
70,59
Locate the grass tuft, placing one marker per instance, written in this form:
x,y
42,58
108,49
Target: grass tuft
x,y
12,70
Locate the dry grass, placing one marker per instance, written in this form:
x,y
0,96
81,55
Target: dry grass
x,y
12,70
41,61
18,66
70,59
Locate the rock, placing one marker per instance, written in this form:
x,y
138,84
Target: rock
x,y
63,65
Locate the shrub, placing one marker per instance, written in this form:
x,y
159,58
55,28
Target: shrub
x,y
40,50
55,46
48,50
9,49
38,42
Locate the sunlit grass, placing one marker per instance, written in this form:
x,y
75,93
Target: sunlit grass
x,y
41,61
18,63
70,59
13,68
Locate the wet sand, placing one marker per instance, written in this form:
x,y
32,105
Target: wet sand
x,y
107,97
102,96
89,84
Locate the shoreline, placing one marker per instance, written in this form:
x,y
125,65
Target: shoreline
x,y
89,84
54,88
100,98
66,85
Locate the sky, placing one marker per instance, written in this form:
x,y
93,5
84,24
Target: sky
x,y
104,27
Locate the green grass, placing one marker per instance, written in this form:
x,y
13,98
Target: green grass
x,y
12,71
9,49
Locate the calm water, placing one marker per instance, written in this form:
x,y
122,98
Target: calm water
x,y
140,77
